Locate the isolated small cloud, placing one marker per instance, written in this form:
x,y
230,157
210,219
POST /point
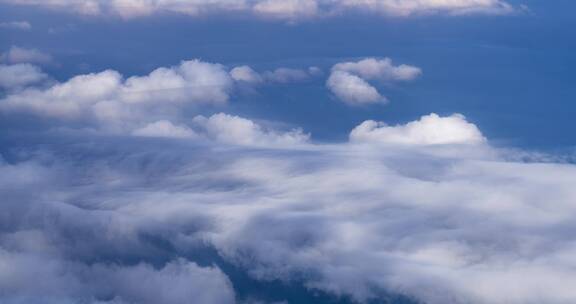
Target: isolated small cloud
x,y
379,69
352,89
16,25
348,81
428,130
23,55
20,75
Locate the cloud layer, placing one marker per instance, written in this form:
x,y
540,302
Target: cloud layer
x,y
124,221
281,9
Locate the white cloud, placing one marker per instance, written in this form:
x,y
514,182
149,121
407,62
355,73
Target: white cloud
x,y
237,130
16,25
106,98
191,81
245,74
164,128
23,55
379,69
352,89
439,226
418,7
286,9
348,80
20,75
282,9
429,130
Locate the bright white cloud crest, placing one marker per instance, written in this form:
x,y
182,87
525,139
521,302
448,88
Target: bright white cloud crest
x,y
429,130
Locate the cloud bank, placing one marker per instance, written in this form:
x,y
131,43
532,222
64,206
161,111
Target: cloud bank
x,y
129,221
276,9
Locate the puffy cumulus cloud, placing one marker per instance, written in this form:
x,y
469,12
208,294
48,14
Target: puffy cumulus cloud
x,y
428,130
352,89
438,225
107,100
16,25
23,55
237,130
348,80
154,105
379,69
245,74
20,75
282,9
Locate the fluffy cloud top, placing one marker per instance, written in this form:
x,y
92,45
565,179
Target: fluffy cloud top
x,y
352,89
284,9
348,80
429,130
106,98
237,130
23,55
20,75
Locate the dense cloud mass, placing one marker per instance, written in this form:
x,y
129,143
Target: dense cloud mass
x,y
127,220
282,9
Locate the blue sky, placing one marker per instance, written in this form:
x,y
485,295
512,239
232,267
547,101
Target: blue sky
x,y
509,74
287,151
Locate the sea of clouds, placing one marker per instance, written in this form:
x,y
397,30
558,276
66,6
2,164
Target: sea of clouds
x,y
118,190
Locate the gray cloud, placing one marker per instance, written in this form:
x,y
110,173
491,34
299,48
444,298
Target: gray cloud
x,y
20,75
24,55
